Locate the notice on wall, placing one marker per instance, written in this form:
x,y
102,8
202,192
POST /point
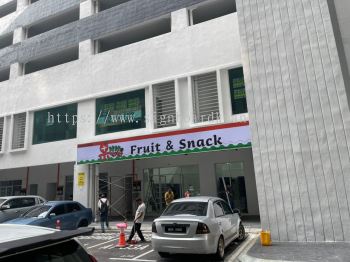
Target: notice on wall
x,y
202,139
81,179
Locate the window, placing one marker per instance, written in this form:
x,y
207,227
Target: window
x,y
231,184
73,207
59,58
226,208
2,131
134,34
14,203
106,4
237,90
19,130
55,124
164,104
120,112
187,208
205,98
6,40
8,8
218,211
27,202
10,188
53,22
58,210
212,9
4,74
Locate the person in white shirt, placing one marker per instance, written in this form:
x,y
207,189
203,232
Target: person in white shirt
x,y
139,216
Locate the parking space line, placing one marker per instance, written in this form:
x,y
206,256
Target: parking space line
x,y
101,243
143,254
132,259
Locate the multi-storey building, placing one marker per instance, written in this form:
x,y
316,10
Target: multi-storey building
x,y
132,97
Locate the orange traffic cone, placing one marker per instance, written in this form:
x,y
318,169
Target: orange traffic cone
x,y
122,242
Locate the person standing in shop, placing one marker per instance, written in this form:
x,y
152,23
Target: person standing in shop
x,y
169,196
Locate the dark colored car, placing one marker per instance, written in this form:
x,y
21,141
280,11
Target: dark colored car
x,y
12,207
70,214
38,244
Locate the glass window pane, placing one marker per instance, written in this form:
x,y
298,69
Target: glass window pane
x,y
120,112
218,210
187,208
231,184
237,90
55,124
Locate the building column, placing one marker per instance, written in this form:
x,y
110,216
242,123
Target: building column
x,y
21,4
87,8
179,19
84,185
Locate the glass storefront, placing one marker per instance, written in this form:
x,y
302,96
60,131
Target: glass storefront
x,y
158,180
231,184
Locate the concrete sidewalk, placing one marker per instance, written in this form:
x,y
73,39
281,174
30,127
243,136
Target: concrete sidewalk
x,y
292,251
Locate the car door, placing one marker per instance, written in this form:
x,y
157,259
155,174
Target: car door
x,y
231,218
59,212
74,215
222,220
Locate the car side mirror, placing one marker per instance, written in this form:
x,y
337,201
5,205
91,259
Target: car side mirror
x,y
4,207
52,215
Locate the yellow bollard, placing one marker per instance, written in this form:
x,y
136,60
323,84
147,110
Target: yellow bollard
x,y
265,238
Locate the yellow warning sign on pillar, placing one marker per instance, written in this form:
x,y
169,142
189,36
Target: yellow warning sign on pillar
x,y
81,179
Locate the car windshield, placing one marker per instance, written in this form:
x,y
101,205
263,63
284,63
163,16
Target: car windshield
x,y
2,200
186,208
40,211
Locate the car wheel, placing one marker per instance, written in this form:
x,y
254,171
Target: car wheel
x,y
83,223
241,235
163,254
220,251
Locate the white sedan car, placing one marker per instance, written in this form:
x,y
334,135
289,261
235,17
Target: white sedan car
x,y
196,225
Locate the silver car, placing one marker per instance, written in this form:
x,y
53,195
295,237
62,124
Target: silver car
x,y
196,225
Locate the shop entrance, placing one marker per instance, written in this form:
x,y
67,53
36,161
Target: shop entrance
x,y
158,180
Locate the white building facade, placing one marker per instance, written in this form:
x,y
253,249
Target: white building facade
x,y
131,97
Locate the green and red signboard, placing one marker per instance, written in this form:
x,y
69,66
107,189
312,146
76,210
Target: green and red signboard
x,y
195,140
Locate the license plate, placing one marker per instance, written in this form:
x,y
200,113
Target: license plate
x,y
175,229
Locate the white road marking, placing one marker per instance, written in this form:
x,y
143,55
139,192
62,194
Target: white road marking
x,y
101,244
143,254
132,259
107,247
246,245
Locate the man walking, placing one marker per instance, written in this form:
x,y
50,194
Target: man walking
x,y
103,206
139,216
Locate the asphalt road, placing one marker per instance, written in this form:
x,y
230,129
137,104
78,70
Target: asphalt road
x,y
103,247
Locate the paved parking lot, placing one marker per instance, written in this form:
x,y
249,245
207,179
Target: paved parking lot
x,y
103,247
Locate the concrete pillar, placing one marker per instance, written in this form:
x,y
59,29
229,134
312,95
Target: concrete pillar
x,y
86,49
87,8
179,19
21,4
16,70
82,184
18,35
